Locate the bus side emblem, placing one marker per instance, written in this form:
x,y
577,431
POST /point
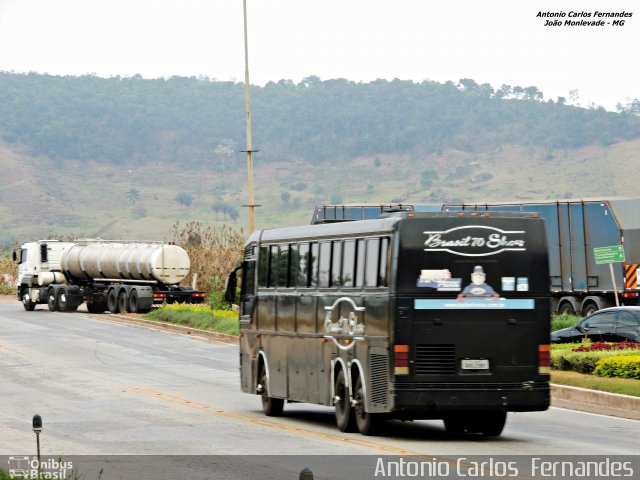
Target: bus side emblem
x,y
344,325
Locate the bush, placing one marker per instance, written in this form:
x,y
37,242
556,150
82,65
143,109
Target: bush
x,y
564,321
604,346
213,252
198,316
622,366
582,362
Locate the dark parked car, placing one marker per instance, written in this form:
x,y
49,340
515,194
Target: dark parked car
x,y
617,324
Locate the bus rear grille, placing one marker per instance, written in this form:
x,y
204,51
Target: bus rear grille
x,y
435,359
379,380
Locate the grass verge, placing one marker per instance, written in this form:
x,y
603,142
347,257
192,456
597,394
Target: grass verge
x,y
624,386
197,316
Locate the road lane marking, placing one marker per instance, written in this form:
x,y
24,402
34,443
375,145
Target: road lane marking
x,y
358,442
6,349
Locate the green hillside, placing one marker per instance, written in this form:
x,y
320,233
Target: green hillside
x,y
128,157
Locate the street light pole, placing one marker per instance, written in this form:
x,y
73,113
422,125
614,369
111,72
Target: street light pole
x,y
248,118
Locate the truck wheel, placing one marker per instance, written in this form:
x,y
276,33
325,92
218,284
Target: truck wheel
x,y
63,301
134,302
28,304
52,301
566,309
589,309
123,302
112,301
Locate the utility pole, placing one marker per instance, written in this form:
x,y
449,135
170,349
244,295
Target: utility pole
x,y
249,149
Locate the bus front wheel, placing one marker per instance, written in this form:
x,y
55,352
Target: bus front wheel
x,y
344,412
272,407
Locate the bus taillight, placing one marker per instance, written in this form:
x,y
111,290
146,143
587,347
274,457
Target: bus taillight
x,y
401,359
544,359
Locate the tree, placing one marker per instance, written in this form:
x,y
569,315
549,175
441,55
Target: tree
x,y
133,195
285,196
184,199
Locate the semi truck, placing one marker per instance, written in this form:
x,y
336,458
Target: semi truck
x,y
118,276
574,228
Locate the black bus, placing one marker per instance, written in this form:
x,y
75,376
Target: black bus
x,y
411,316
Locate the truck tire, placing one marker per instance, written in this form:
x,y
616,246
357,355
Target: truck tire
x,y
28,304
63,301
566,309
134,301
52,301
589,309
112,301
123,302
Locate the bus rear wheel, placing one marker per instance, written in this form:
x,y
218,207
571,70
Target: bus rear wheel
x,y
272,407
489,424
344,412
368,423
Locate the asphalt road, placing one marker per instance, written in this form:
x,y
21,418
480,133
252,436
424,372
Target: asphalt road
x,y
104,388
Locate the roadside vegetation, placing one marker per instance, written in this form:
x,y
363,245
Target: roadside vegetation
x,y
197,316
609,367
7,272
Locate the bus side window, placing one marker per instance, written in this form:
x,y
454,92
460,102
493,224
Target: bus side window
x,y
360,263
348,263
325,264
373,255
385,255
313,265
263,266
247,289
303,269
336,263
273,266
282,268
294,265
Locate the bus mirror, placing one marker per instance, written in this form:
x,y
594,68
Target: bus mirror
x,y
15,256
232,284
230,288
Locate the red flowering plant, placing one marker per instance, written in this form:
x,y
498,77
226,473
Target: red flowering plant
x,y
604,346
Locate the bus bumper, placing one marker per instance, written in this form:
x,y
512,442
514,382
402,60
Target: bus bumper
x,y
524,398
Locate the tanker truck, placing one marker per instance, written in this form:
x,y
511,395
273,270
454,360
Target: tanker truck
x,y
118,276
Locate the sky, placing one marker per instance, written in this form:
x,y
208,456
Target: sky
x,y
490,41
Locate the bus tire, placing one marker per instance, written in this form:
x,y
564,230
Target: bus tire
x,y
345,418
489,424
368,423
492,424
272,407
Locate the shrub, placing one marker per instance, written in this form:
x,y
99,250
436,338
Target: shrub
x,y
623,366
563,321
213,252
582,362
604,346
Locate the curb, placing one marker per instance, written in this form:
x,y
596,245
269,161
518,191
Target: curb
x,y
170,327
594,401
